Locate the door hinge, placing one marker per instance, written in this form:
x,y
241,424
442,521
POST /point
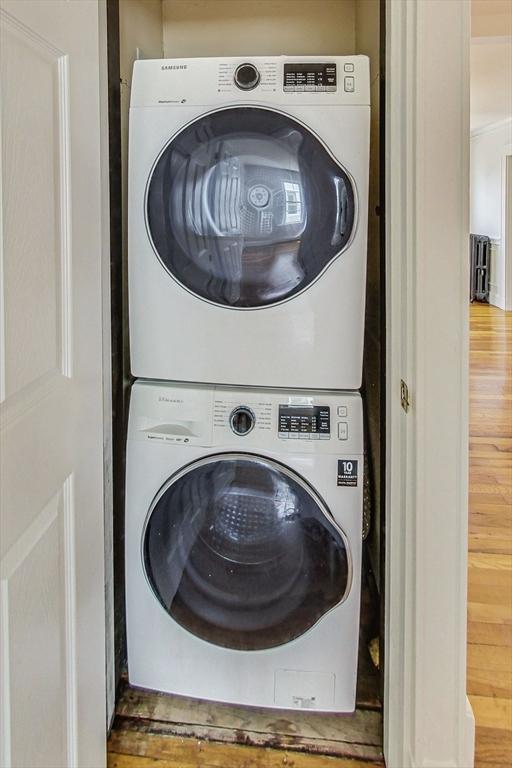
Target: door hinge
x,y
404,396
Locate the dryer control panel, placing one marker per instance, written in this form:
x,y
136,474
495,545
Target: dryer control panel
x,y
273,80
310,77
291,421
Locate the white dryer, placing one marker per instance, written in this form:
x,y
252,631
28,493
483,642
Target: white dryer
x,y
243,544
248,187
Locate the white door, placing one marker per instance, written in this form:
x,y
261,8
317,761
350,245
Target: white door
x,y
52,568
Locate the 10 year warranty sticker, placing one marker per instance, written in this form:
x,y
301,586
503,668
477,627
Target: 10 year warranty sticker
x,y
347,472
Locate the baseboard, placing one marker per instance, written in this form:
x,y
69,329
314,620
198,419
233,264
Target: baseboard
x,y
466,756
496,289
496,299
468,748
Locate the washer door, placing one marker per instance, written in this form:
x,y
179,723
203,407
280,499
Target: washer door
x,y
241,552
245,207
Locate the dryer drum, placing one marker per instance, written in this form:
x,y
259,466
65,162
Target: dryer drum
x,y
245,207
240,552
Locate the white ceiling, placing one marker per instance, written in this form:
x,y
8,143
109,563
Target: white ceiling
x,y
491,62
491,18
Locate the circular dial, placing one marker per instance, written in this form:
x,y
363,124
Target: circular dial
x,y
247,77
242,420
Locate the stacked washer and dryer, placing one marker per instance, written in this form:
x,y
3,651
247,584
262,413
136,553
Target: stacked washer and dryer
x,y
248,184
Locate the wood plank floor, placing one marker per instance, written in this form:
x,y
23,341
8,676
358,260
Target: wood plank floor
x,y
145,718
490,534
142,750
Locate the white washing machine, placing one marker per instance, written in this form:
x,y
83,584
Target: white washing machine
x,y
248,187
243,544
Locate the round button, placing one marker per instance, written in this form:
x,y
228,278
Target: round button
x,y
247,77
259,196
242,420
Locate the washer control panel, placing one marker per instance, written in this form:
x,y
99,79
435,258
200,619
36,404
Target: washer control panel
x,y
313,422
293,421
300,421
309,77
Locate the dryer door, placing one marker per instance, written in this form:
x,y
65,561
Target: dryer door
x,y
241,552
245,207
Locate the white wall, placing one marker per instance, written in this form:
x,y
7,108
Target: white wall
x,y
258,27
140,26
491,79
490,18
488,149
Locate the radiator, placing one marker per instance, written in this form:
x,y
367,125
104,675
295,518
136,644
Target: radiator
x,y
480,267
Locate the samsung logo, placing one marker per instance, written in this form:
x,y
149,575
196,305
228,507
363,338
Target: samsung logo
x,y
163,399
175,66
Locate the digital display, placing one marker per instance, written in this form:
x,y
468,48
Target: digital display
x,y
310,77
305,419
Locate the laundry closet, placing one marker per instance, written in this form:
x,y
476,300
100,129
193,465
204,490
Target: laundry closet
x,y
244,408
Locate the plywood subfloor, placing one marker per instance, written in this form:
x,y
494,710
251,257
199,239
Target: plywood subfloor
x,y
489,668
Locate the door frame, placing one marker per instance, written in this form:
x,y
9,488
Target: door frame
x,y
107,341
428,721
73,388
506,224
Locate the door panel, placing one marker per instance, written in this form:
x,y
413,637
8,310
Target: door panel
x,y
246,207
36,175
38,600
240,551
51,566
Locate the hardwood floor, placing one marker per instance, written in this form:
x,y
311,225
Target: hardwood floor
x,y
489,666
490,590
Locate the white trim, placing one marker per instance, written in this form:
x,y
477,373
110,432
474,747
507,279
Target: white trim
x,y
2,279
496,40
506,225
496,298
496,291
108,499
490,127
428,722
69,538
66,259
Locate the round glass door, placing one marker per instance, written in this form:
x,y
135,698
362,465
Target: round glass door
x,y
242,553
245,207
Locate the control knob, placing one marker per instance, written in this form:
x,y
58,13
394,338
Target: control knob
x,y
247,77
242,420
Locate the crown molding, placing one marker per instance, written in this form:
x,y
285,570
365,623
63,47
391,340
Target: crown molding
x,y
490,127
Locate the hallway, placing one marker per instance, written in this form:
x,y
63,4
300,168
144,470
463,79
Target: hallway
x,y
490,534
